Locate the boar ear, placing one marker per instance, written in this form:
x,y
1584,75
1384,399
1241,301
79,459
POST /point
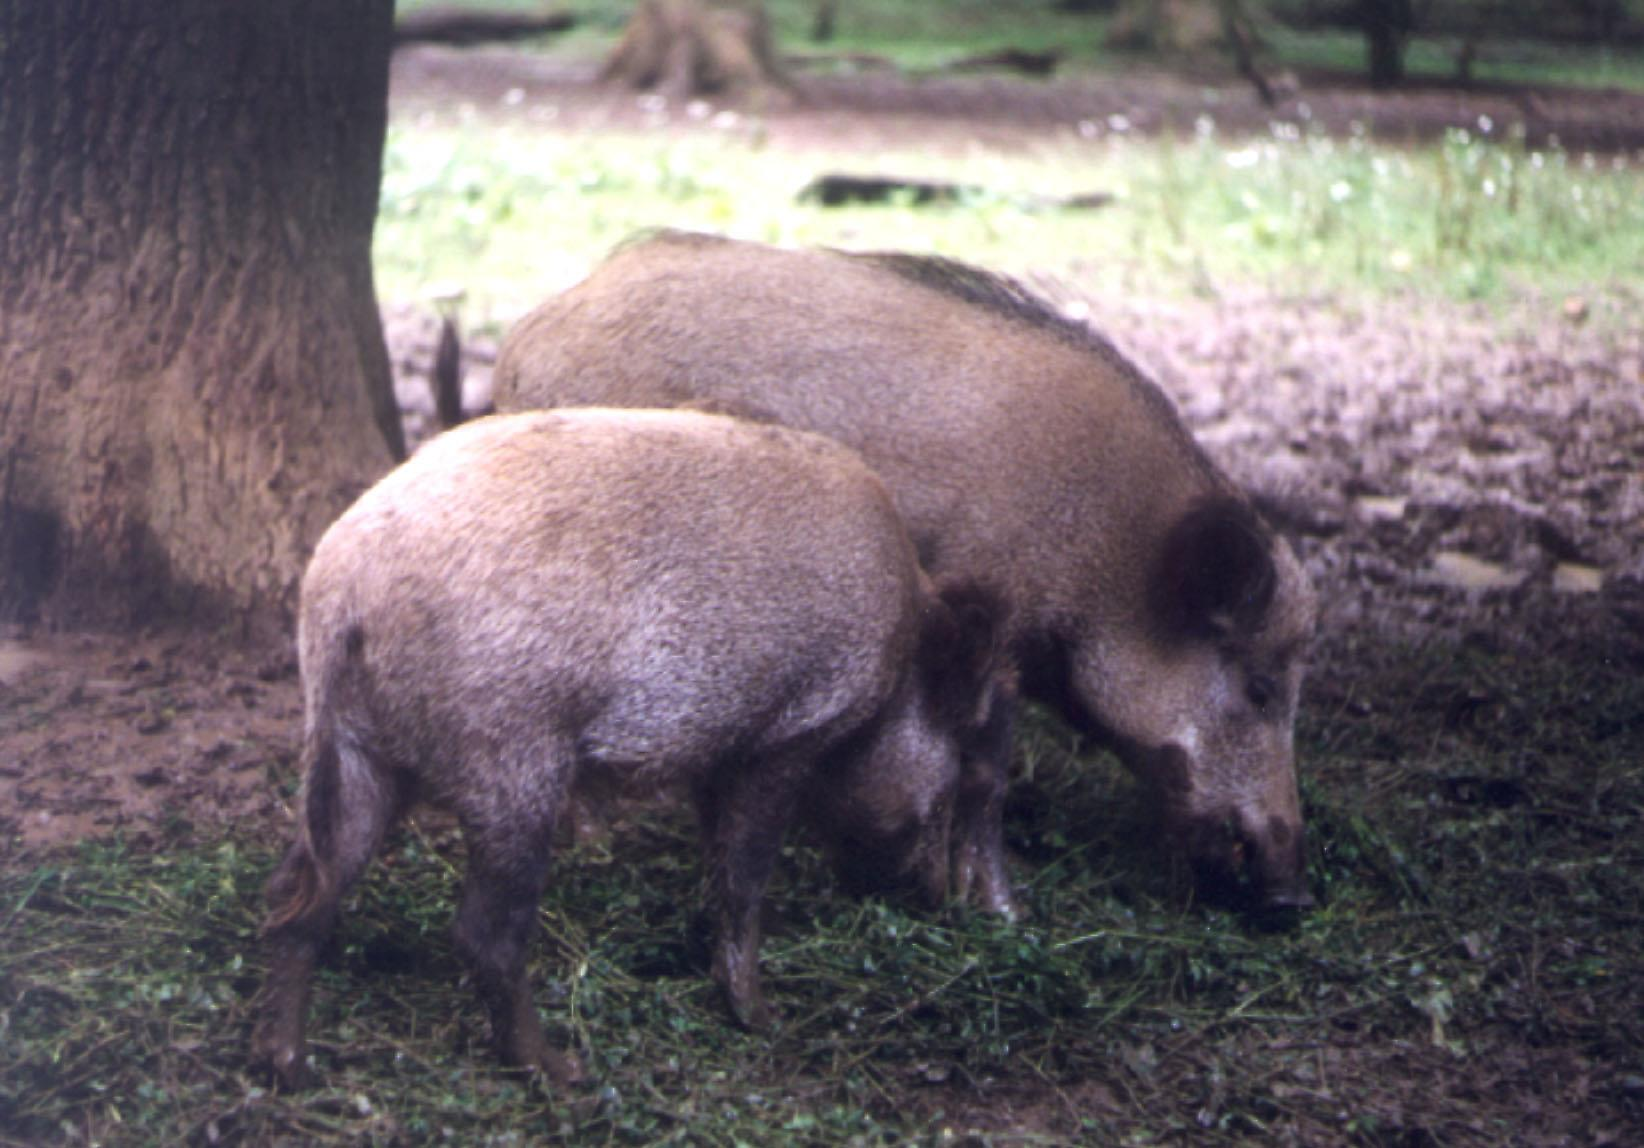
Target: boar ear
x,y
1215,575
961,651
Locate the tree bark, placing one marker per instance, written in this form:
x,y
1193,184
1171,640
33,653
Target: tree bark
x,y
686,48
195,380
1387,23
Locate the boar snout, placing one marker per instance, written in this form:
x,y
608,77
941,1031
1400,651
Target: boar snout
x,y
1238,857
1277,856
1256,863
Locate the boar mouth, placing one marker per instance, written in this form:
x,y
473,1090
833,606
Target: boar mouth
x,y
1261,875
1239,862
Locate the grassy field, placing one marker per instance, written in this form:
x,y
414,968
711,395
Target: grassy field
x,y
511,215
1474,955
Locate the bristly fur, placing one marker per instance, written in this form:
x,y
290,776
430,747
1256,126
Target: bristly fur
x,y
1008,298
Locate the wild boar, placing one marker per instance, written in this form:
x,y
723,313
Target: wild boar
x,y
1148,600
668,596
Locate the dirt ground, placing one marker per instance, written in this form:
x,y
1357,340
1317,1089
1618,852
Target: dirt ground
x,y
1442,479
879,108
1445,473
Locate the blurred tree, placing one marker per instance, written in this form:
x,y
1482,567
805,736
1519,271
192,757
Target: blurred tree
x,y
686,48
822,26
1172,27
1387,25
195,377
1194,28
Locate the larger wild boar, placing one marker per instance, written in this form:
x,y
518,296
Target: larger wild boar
x,y
1148,600
666,596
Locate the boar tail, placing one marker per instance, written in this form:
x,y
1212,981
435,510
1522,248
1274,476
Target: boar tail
x,y
307,884
304,882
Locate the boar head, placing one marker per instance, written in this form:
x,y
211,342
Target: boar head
x,y
888,810
1200,696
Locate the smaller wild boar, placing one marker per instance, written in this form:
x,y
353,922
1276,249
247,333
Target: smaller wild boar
x,y
668,597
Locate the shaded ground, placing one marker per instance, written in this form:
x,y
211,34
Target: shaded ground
x,y
881,108
1456,479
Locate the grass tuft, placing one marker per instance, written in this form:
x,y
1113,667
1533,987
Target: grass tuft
x,y
1479,942
513,216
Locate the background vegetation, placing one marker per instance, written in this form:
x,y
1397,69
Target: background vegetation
x,y
513,215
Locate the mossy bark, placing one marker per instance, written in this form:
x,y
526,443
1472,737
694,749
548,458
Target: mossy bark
x,y
195,379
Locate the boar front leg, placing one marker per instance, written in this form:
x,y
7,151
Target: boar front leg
x,y
980,874
744,814
507,869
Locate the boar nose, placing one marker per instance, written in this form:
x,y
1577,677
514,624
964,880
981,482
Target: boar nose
x,y
1288,900
1278,866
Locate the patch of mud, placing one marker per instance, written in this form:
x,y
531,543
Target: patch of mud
x,y
142,737
1445,473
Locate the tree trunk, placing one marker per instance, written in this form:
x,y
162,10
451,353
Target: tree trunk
x,y
195,376
686,48
1386,25
827,12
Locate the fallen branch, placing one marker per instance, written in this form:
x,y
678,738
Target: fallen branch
x,y
1009,60
840,190
462,27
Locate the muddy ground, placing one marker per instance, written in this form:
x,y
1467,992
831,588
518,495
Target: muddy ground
x,y
1449,473
1444,479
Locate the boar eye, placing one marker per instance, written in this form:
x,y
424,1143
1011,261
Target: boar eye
x,y
1262,691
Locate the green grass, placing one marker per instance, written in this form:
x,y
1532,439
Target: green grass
x,y
915,35
1480,944
512,215
922,34
1497,61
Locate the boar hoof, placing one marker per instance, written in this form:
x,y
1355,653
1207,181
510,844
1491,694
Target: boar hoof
x,y
280,1063
1290,902
532,1055
753,1014
558,1069
981,885
1002,903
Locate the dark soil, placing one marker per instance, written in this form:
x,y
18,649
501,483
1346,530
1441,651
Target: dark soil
x,y
879,108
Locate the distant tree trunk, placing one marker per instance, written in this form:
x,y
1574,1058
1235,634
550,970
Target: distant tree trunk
x,y
688,48
822,26
1387,24
1175,27
1196,29
195,381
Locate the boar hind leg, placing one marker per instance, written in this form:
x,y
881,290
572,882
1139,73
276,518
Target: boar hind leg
x,y
744,814
980,875
507,869
349,805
